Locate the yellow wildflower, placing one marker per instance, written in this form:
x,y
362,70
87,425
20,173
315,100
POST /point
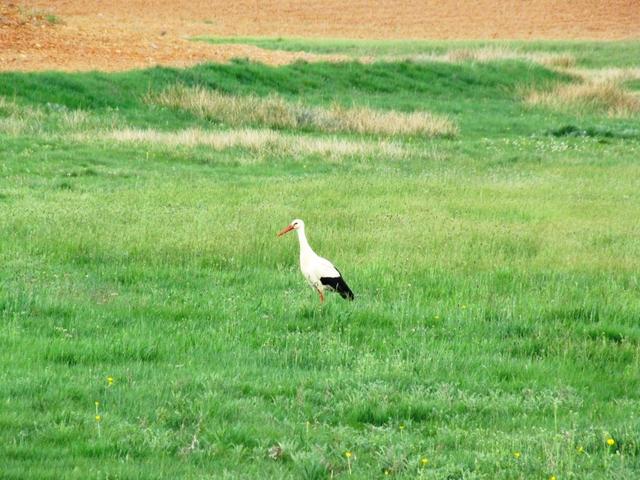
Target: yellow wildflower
x,y
348,454
517,454
611,442
580,449
109,380
424,461
98,418
97,403
553,477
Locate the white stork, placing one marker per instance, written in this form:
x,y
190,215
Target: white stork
x,y
319,272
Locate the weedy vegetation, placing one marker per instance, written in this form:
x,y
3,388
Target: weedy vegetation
x,y
606,97
153,326
274,112
261,143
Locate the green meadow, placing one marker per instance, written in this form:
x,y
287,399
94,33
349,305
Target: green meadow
x,y
152,325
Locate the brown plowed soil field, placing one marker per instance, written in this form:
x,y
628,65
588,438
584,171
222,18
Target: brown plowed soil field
x,y
118,35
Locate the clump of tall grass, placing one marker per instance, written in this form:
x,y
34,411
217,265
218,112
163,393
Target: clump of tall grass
x,y
274,111
598,97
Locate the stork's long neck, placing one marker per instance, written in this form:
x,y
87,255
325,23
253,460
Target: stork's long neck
x,y
305,248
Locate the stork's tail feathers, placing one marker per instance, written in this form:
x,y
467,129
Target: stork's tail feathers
x,y
345,292
339,285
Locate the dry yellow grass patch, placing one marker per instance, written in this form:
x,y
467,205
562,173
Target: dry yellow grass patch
x,y
605,74
13,126
16,119
599,91
492,54
366,120
75,119
262,141
604,97
275,112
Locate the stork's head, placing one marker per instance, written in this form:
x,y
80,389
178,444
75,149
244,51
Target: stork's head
x,y
294,225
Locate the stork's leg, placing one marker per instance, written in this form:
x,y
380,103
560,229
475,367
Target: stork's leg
x,y
321,295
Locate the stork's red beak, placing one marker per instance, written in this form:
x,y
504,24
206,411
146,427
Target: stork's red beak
x,y
285,230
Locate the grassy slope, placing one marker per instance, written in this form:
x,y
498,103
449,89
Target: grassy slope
x,y
495,274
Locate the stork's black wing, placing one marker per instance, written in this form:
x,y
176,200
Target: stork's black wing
x,y
339,285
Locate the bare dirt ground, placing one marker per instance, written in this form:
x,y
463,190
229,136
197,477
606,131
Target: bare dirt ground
x,y
119,35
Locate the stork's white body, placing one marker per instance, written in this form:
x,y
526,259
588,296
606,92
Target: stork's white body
x,y
318,271
313,266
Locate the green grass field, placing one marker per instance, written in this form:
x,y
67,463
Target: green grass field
x,y
153,326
